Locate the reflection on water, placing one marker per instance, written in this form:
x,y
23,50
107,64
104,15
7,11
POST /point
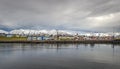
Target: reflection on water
x,y
59,56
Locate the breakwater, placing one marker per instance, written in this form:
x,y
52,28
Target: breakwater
x,y
67,41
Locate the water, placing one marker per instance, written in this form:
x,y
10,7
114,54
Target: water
x,y
59,56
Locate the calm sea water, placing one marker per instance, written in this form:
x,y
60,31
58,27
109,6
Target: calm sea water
x,y
59,56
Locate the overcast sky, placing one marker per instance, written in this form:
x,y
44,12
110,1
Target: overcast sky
x,y
80,15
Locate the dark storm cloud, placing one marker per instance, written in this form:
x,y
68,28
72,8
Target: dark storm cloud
x,y
87,15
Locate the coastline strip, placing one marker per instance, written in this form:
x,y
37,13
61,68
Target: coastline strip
x,y
67,41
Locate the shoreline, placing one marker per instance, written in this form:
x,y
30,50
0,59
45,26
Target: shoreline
x,y
67,41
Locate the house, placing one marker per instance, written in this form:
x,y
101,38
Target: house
x,y
35,38
2,34
9,35
29,38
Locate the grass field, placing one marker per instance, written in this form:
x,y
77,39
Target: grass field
x,y
13,38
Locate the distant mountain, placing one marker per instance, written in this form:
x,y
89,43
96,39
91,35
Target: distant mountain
x,y
60,32
2,31
50,32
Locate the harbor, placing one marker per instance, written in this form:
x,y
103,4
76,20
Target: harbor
x,y
59,56
67,41
56,36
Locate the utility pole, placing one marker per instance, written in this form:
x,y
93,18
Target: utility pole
x,y
57,35
113,34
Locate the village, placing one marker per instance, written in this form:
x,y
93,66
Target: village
x,y
58,36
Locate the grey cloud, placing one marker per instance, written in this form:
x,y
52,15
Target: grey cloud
x,y
59,14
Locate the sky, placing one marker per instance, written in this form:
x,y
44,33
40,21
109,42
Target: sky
x,y
76,15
